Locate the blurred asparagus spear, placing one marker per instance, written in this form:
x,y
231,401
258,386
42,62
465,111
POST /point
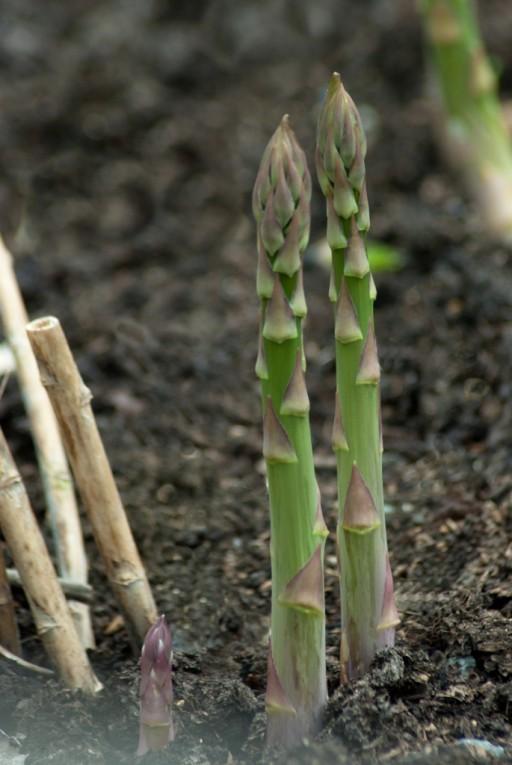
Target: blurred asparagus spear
x,y
296,685
368,608
474,134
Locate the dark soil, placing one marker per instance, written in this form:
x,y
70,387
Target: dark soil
x,y
130,135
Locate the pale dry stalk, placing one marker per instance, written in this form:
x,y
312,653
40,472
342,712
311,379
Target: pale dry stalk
x,y
93,475
71,589
57,482
47,602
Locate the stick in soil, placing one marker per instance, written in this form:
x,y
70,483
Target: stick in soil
x,y
23,663
93,475
51,614
368,612
296,682
474,133
9,635
76,590
56,478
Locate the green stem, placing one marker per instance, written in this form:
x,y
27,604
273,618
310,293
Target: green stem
x,y
368,612
298,634
296,688
362,555
361,413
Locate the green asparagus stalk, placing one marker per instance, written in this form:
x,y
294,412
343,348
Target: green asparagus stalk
x,y
368,611
475,134
296,683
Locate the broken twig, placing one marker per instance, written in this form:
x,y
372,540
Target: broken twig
x,y
23,663
76,590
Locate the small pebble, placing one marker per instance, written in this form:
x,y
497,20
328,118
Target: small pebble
x,y
480,746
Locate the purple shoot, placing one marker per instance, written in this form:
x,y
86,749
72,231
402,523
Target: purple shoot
x,y
156,725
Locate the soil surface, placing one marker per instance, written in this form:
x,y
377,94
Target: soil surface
x,y
130,134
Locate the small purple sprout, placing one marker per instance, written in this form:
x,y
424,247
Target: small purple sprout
x,y
156,725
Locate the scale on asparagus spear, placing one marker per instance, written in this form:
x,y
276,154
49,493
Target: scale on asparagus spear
x,y
368,611
296,683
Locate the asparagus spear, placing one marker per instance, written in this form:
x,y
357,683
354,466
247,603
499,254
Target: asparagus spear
x,y
296,685
156,723
475,132
367,603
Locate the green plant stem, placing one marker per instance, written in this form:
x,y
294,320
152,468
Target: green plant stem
x,y
298,639
296,687
368,611
361,414
361,555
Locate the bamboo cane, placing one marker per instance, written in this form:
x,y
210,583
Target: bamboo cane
x,y
48,605
55,475
71,589
9,636
6,654
71,402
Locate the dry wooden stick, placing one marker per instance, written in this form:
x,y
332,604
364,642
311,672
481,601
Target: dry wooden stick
x,y
22,663
56,478
76,590
71,402
9,635
47,602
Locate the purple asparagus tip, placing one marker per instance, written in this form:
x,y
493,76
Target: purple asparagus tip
x,y
156,725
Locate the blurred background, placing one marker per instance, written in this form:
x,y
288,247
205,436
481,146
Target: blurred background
x,y
127,122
